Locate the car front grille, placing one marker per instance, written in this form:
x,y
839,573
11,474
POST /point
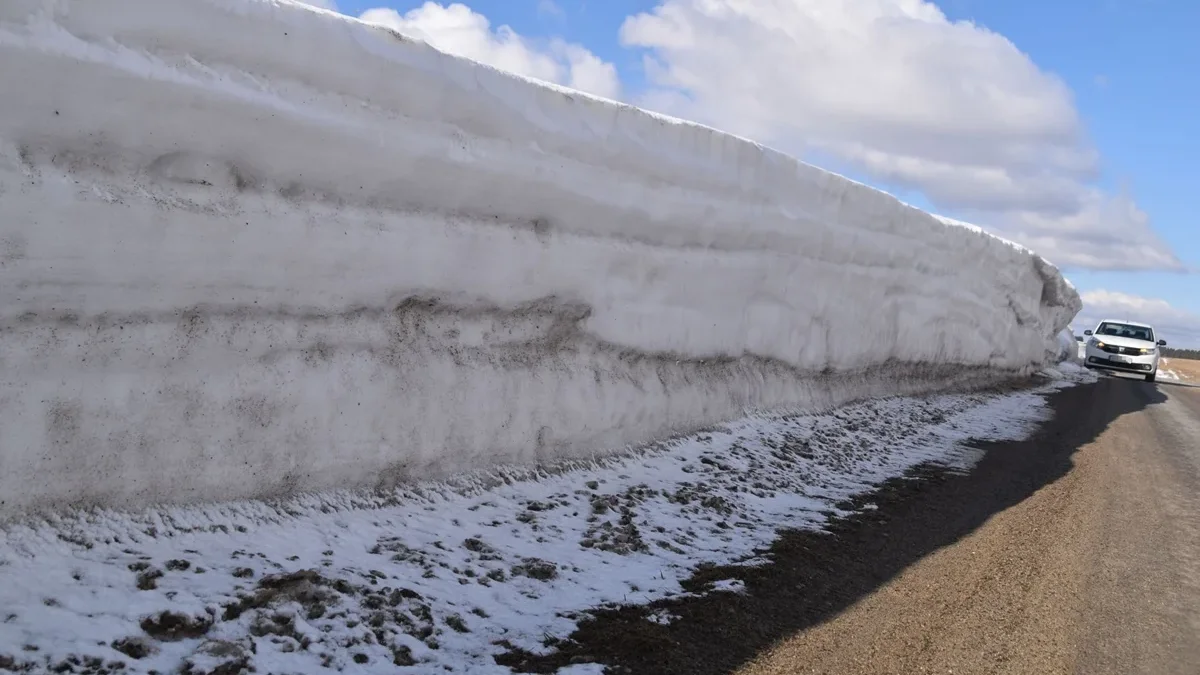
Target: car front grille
x,y
1113,349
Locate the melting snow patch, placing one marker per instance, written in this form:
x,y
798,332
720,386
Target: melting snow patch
x,y
582,669
728,586
441,577
662,617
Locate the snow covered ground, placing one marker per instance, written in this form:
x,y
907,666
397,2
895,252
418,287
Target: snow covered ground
x,y
442,577
250,248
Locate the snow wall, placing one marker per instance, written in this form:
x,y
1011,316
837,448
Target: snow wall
x,y
249,248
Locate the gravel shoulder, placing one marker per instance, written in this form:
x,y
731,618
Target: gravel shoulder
x,y
1073,552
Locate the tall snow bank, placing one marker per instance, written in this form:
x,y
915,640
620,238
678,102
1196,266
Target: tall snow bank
x,y
250,247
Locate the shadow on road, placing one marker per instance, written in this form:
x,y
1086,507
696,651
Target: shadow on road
x,y
1138,378
814,576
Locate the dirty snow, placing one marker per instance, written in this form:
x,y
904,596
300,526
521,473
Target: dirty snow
x,y
443,576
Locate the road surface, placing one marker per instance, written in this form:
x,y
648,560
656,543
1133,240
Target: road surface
x,y
1077,551
1097,572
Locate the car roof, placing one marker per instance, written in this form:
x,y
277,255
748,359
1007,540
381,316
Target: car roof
x,y
1128,323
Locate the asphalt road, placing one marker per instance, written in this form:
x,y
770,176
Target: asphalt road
x,y
1076,551
1097,572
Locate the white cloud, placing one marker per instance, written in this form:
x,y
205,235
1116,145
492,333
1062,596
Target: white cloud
x,y
892,86
550,8
1177,326
1107,232
323,4
456,29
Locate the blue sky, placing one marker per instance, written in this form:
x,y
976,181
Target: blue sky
x,y
1129,66
1132,66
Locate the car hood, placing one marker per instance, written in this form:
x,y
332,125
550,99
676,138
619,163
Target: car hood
x,y
1125,342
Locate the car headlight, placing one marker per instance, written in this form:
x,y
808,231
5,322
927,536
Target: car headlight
x,y
1099,344
1143,352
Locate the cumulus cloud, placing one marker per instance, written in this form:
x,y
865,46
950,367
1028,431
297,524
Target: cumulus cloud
x,y
456,29
913,99
1180,327
1107,232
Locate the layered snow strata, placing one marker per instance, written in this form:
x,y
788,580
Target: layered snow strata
x,y
249,247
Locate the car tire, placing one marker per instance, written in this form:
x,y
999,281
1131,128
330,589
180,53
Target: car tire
x,y
1152,377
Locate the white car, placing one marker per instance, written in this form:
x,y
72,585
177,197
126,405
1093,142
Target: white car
x,y
1123,346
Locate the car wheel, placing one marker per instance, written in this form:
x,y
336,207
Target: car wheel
x,y
1152,377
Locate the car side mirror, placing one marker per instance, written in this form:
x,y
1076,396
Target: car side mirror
x,y
1087,332
1162,343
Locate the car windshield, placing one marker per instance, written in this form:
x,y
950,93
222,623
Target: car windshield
x,y
1126,331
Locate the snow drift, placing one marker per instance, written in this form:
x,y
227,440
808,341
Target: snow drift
x,y
1068,347
249,247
